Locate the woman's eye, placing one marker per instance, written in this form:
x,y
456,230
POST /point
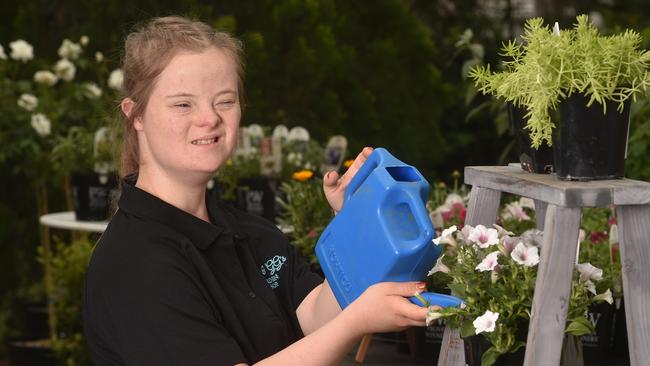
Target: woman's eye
x,y
226,103
182,105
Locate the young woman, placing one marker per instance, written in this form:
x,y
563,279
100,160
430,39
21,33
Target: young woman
x,y
179,279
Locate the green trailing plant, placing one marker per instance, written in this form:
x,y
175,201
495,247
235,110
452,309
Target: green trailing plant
x,y
549,66
69,265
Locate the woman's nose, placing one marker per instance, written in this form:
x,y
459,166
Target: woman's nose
x,y
209,117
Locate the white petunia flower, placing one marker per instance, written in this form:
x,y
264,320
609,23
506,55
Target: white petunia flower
x,y
41,124
99,57
484,237
116,79
28,102
515,211
488,263
84,40
45,77
605,296
432,315
527,256
92,91
439,267
453,198
446,236
21,50
526,202
486,322
589,272
65,69
69,50
591,287
3,55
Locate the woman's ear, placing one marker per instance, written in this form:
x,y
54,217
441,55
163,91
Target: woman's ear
x,y
127,106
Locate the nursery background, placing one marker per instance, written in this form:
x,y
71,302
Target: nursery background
x,y
384,73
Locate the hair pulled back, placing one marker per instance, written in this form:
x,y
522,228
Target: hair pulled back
x,y
147,51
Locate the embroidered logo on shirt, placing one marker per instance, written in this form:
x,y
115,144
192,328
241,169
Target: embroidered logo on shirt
x,y
271,268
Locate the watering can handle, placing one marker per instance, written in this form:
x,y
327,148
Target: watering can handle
x,y
436,299
378,156
421,216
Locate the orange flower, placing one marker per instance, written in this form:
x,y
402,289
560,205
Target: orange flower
x,y
348,163
302,175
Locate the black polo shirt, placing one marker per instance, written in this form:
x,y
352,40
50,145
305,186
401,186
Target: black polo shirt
x,y
166,288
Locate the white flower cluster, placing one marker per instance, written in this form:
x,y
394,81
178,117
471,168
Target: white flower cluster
x,y
590,274
116,79
21,50
28,102
41,124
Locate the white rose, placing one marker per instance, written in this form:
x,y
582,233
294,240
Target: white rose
x,y
45,77
115,79
21,50
3,55
65,69
69,50
84,40
99,57
28,102
41,124
92,91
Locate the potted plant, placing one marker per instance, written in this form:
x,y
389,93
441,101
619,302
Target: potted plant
x,y
305,212
87,157
599,246
576,86
494,272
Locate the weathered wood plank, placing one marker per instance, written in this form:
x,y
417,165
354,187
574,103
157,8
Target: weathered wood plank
x,y
634,236
452,350
483,206
548,188
540,213
553,286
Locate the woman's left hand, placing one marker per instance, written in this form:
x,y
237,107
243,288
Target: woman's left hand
x,y
334,187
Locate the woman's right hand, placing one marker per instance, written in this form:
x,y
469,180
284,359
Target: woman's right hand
x,y
384,307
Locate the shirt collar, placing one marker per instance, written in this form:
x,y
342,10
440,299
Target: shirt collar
x,y
138,202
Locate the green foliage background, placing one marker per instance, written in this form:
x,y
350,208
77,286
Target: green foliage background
x,y
382,72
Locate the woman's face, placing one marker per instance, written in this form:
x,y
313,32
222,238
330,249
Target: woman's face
x,y
189,127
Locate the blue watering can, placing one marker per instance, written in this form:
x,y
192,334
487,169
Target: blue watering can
x,y
383,233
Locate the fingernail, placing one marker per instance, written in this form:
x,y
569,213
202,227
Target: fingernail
x,y
421,285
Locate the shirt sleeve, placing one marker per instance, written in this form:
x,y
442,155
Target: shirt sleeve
x,y
162,316
304,280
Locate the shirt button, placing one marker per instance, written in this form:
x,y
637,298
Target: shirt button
x,y
252,295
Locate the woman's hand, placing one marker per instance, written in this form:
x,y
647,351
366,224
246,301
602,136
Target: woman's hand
x,y
384,307
334,187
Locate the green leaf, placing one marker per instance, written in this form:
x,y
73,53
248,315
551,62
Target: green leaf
x,y
467,329
457,289
579,326
490,357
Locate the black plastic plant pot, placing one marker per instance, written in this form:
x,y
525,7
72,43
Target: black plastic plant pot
x,y
476,345
589,144
92,195
28,352
532,160
598,346
256,195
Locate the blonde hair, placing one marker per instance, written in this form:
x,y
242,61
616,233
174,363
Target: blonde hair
x,y
147,51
